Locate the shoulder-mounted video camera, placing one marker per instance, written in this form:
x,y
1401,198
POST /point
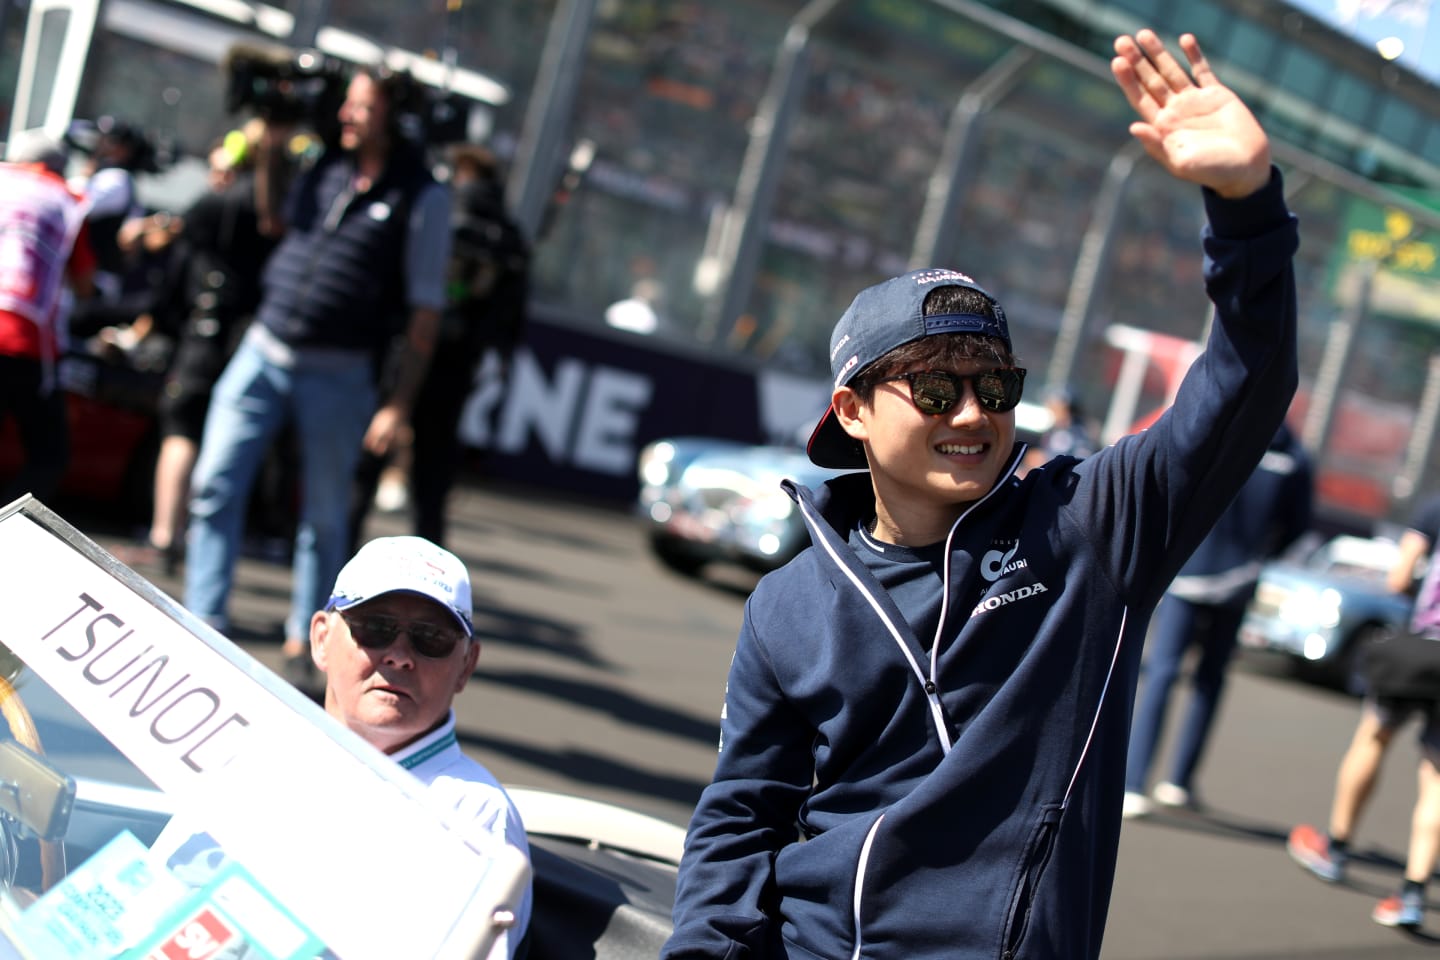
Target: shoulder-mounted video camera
x,y
285,86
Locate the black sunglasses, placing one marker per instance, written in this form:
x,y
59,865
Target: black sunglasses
x,y
936,391
375,631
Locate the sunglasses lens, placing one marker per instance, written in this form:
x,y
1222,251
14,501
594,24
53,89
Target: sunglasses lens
x,y
379,632
990,389
999,390
373,633
933,393
432,642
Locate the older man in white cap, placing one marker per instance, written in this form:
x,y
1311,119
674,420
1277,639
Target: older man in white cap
x,y
395,644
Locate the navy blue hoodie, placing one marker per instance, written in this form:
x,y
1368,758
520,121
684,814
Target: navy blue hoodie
x,y
964,801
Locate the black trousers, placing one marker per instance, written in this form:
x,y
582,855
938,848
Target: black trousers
x,y
435,451
41,425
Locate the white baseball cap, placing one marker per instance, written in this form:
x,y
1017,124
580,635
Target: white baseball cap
x,y
405,565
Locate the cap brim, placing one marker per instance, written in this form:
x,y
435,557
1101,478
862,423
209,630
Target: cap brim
x,y
337,603
830,446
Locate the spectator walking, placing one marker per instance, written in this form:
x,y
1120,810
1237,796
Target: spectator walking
x,y
43,244
922,745
485,309
224,251
363,256
1327,854
1203,609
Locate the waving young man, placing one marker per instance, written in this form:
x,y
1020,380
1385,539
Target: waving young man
x,y
923,746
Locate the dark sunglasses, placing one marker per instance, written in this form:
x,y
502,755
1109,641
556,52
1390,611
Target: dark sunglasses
x,y
375,631
937,391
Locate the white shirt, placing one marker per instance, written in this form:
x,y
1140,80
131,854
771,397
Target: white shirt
x,y
471,802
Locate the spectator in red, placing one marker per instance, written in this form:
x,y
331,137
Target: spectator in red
x,y
42,245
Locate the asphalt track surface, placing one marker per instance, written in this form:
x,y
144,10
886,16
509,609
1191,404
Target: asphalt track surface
x,y
602,675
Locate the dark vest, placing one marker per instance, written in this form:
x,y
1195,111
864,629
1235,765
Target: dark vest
x,y
337,279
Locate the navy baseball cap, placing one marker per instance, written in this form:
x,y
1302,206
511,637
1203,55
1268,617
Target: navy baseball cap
x,y
880,318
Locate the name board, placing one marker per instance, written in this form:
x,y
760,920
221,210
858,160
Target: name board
x,y
290,793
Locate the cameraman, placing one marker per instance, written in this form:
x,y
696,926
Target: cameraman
x,y
366,244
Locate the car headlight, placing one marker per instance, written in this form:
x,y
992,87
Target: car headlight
x,y
776,506
654,463
1310,607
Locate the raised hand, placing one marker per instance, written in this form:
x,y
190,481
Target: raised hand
x,y
1190,123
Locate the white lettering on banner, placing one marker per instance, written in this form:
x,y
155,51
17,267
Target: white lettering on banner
x,y
545,408
585,416
605,441
487,391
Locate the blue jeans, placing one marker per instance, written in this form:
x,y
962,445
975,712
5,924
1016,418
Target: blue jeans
x,y
330,397
1178,624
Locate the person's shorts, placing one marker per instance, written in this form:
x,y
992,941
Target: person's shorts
x,y
1392,713
186,394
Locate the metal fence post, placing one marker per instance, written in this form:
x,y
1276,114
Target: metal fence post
x,y
742,235
534,170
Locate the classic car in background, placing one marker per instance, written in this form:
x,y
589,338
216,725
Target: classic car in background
x,y
1318,606
121,711
705,500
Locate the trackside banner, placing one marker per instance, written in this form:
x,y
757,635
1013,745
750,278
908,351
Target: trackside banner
x,y
299,800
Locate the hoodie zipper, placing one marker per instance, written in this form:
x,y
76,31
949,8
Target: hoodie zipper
x,y
928,682
932,690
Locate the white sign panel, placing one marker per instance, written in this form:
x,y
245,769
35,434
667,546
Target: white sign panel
x,y
321,828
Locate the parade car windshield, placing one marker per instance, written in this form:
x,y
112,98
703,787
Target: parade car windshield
x,y
131,727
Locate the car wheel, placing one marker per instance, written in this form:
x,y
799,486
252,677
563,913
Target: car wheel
x,y
676,556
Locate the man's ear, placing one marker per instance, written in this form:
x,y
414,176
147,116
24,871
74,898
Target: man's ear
x,y
848,412
320,627
472,657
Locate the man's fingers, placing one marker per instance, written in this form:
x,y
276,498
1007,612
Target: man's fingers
x,y
1130,86
1199,66
1148,78
1126,67
1167,68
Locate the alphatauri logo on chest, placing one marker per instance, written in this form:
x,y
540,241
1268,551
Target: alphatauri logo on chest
x,y
1001,559
1004,558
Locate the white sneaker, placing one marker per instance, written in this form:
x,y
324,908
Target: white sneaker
x,y
391,496
1136,805
1170,795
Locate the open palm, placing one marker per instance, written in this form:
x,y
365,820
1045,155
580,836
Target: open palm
x,y
1190,123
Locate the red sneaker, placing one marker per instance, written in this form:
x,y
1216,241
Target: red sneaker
x,y
1399,911
1311,849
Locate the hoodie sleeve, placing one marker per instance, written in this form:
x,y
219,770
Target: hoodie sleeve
x,y
1154,495
748,812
